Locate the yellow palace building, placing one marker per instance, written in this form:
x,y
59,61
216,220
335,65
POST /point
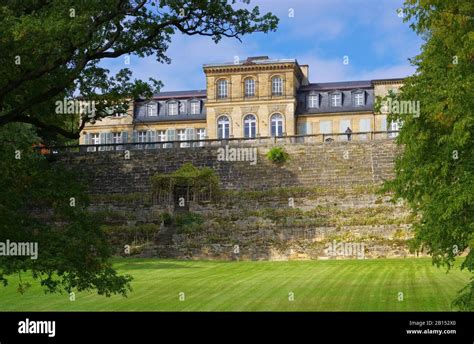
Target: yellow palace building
x,y
259,97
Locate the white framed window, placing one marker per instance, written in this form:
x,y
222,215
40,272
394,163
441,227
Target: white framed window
x,y
313,101
118,115
277,86
200,135
249,87
395,126
94,139
223,127
250,126
142,136
181,134
195,107
336,99
117,137
222,89
172,109
161,135
276,125
151,110
359,99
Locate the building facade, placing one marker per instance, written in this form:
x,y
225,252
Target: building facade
x,y
259,97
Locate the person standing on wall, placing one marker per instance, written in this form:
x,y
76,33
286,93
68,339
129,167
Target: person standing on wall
x,y
348,132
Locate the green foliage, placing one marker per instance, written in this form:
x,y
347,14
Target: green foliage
x,y
188,223
127,198
435,172
278,155
167,219
35,206
197,179
52,50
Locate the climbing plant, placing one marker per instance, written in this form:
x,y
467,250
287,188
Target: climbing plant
x,y
199,181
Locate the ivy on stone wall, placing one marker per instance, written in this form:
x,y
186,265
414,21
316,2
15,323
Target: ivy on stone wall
x,y
198,181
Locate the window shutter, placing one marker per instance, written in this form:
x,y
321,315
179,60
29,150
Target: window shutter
x,y
108,139
383,123
170,136
301,129
190,134
152,136
171,133
124,136
135,136
102,140
87,139
308,128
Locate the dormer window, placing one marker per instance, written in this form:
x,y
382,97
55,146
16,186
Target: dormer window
x,y
313,101
359,99
173,109
222,89
195,107
151,110
336,99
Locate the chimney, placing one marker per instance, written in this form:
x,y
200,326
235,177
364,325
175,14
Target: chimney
x,y
305,70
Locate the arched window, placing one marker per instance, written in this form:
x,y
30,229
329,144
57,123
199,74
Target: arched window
x,y
249,87
250,126
223,127
277,86
222,89
276,125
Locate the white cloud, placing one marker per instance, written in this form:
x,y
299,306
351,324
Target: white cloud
x,y
316,23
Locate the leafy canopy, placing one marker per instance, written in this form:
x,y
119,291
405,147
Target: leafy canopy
x,y
435,172
51,50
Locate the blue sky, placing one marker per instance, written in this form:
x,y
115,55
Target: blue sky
x,y
320,33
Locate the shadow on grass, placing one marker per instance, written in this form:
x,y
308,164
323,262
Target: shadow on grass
x,y
147,265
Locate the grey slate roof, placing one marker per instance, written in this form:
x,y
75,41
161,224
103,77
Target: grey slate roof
x,y
341,85
180,94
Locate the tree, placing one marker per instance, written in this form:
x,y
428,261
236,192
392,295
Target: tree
x,y
435,172
41,204
50,50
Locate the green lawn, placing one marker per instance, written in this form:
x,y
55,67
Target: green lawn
x,y
343,285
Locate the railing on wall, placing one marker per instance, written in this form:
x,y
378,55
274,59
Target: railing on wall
x,y
240,141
